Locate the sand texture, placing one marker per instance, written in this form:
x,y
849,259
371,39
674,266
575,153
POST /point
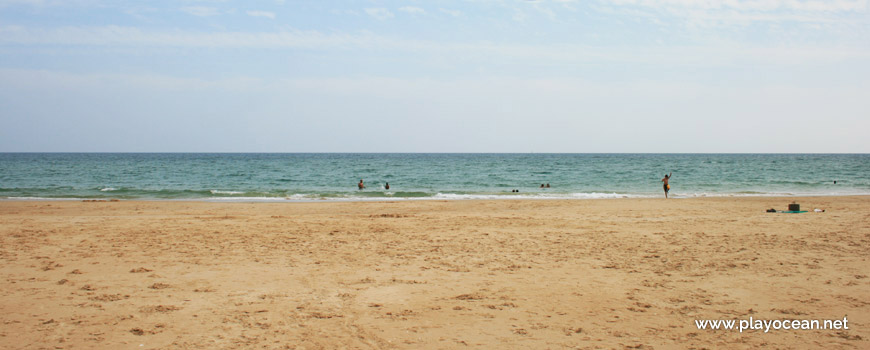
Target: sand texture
x,y
588,274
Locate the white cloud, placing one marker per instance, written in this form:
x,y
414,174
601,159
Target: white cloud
x,y
52,3
546,11
379,13
715,12
412,10
753,5
114,37
834,22
200,11
139,12
130,36
266,14
22,2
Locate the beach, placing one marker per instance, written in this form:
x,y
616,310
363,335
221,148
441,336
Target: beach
x,y
606,273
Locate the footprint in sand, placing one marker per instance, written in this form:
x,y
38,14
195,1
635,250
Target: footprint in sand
x,y
159,286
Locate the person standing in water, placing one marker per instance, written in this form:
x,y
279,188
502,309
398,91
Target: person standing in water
x,y
665,185
387,186
360,185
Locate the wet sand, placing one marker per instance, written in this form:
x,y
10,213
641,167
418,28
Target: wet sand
x,y
623,273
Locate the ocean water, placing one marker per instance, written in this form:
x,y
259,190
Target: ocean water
x,y
331,176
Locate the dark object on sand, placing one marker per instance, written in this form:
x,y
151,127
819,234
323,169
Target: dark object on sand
x,y
793,208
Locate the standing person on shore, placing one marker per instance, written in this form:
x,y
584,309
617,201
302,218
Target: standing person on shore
x,y
665,185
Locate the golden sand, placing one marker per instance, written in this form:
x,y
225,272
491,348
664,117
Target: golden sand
x,y
624,273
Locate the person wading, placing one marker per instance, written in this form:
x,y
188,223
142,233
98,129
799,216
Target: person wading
x,y
665,185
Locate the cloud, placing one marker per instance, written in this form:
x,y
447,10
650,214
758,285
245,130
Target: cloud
x,y
43,4
715,12
546,11
266,14
751,5
22,2
200,11
412,10
379,13
115,37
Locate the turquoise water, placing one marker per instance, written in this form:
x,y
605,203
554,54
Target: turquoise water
x,y
269,176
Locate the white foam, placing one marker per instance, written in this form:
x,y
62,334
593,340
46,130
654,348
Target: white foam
x,y
225,192
108,189
239,199
596,195
499,196
300,196
42,199
471,196
593,195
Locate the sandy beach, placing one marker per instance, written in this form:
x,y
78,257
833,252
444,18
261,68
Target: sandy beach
x,y
588,274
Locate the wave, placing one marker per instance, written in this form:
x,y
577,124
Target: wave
x,y
521,195
229,194
42,199
226,192
442,196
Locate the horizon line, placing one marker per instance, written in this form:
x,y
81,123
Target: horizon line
x,y
341,152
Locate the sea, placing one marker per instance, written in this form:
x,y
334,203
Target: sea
x,y
422,176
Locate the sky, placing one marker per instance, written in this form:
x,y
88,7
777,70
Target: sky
x,y
560,76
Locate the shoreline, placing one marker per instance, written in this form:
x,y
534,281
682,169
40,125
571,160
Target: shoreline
x,y
416,199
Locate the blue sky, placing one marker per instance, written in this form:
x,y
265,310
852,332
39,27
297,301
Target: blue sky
x,y
435,76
